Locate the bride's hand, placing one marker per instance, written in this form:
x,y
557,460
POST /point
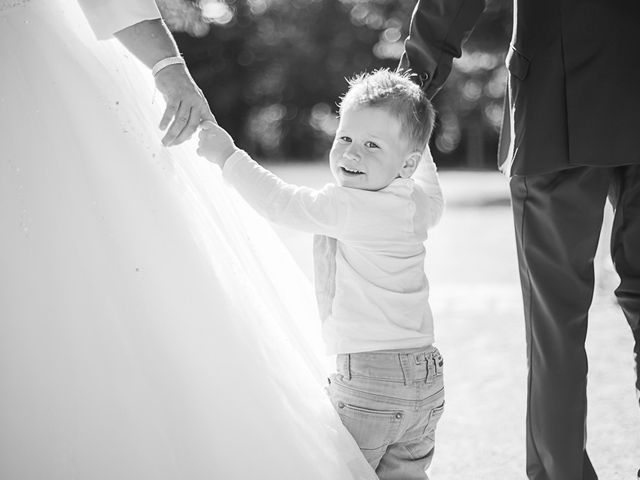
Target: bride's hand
x,y
150,41
216,145
186,105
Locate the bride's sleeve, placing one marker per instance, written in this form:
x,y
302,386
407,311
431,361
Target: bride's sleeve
x,y
109,16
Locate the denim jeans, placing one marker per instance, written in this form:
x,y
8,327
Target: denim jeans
x,y
391,401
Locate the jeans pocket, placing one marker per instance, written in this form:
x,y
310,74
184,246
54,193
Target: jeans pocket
x,y
434,417
371,428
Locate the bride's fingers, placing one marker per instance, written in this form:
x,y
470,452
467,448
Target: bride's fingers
x,y
169,113
206,115
208,124
189,129
179,123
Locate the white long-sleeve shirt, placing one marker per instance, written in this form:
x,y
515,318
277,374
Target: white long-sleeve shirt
x,y
372,290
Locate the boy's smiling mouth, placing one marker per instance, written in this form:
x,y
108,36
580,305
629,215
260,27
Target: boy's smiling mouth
x,y
351,171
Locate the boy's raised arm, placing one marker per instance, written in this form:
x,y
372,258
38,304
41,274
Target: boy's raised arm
x,y
426,177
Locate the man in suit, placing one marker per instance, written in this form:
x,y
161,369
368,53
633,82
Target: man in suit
x,y
571,137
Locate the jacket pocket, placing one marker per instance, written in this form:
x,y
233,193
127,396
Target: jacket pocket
x,y
517,63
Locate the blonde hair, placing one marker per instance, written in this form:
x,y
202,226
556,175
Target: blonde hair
x,y
401,96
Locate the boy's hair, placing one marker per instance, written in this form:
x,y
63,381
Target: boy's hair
x,y
403,98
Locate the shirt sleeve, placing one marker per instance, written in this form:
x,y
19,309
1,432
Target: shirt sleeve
x,y
426,179
314,211
107,17
436,33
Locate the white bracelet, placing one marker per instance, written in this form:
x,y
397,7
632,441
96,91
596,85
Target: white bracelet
x,y
165,62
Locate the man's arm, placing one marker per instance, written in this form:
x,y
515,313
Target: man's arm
x,y
436,33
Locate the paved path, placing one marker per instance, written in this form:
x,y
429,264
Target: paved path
x,y
475,296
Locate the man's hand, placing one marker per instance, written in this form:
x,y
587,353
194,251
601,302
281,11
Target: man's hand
x,y
186,105
216,145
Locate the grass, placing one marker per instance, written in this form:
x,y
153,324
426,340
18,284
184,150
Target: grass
x,y
475,296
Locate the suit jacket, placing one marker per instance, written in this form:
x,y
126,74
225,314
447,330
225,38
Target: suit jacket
x,y
574,77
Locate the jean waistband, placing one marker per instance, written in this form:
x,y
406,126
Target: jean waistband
x,y
395,366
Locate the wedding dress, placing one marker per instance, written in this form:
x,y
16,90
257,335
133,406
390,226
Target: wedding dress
x,y
152,326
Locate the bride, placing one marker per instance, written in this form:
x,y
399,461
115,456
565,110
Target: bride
x,y
149,329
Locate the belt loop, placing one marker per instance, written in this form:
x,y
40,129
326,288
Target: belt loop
x,y
348,365
405,367
431,366
439,363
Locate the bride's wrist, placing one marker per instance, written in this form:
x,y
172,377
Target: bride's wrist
x,y
167,62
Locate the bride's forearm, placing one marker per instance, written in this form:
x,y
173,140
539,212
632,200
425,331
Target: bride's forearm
x,y
150,41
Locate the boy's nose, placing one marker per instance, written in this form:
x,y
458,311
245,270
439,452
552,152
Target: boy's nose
x,y
352,153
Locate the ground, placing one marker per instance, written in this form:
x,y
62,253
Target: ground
x,y
475,296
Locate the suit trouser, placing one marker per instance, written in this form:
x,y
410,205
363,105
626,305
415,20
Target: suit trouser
x,y
558,218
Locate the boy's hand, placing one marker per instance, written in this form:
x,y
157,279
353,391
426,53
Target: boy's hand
x,y
216,145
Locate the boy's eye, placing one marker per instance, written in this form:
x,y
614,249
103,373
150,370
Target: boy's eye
x,y
371,145
345,139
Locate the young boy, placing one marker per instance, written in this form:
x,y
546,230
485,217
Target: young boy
x,y
369,260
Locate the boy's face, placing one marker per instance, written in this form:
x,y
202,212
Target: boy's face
x,y
369,150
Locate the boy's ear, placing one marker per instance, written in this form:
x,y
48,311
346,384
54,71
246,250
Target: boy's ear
x,y
410,164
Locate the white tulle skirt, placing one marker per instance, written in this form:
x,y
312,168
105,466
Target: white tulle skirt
x,y
151,326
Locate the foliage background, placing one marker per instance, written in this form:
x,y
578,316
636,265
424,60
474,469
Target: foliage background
x,y
273,71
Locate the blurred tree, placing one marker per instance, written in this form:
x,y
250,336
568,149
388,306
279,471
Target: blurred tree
x,y
273,70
